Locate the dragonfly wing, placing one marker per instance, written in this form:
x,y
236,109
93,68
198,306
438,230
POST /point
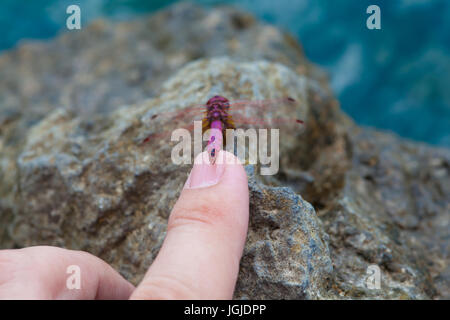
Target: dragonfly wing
x,y
267,146
161,124
280,113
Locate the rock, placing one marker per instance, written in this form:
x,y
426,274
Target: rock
x,y
73,173
285,256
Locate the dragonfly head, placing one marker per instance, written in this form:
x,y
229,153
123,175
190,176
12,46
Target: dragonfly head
x,y
216,107
217,99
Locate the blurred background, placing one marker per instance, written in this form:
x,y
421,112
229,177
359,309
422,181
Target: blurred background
x,y
396,78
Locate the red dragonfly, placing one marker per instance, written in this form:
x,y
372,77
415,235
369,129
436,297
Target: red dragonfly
x,y
219,114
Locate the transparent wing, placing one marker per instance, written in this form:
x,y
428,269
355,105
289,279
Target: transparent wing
x,y
283,113
160,125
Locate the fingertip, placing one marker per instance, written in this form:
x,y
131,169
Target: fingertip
x,y
206,235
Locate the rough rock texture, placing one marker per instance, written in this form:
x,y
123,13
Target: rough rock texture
x,y
73,174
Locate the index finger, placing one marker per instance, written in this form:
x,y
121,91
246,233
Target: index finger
x,y
206,234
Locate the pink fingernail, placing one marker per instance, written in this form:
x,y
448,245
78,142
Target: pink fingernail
x,y
203,173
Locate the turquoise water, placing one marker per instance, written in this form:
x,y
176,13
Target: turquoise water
x,y
396,78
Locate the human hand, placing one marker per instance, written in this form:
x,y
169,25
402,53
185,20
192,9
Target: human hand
x,y
199,258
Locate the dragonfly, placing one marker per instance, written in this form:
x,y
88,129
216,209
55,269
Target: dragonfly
x,y
219,114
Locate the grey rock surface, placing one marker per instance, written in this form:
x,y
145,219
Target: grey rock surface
x,y
74,174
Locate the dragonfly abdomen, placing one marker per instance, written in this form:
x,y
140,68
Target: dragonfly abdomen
x,y
217,120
